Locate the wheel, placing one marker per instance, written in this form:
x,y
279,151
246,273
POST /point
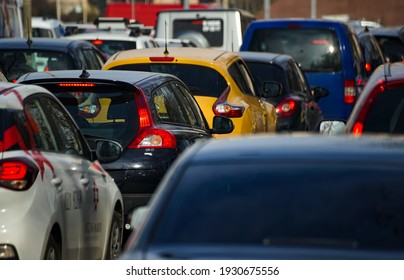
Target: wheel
x,y
115,237
53,250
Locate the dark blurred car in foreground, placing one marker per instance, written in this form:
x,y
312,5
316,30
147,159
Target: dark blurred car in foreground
x,y
380,108
282,83
152,115
371,50
19,56
391,42
284,196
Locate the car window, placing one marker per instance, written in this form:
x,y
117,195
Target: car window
x,y
212,29
238,71
266,72
357,54
194,76
365,215
168,107
387,113
104,111
189,105
16,63
299,79
113,46
44,137
392,47
315,49
67,133
90,57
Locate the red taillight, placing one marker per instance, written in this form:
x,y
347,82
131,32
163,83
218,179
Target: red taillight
x,y
97,42
222,108
17,174
285,108
154,138
349,91
368,67
76,85
357,128
148,135
161,58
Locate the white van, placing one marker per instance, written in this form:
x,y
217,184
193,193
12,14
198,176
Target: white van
x,y
219,28
47,27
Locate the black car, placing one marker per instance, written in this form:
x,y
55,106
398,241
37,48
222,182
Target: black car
x,y
278,197
371,50
19,56
281,82
152,115
391,42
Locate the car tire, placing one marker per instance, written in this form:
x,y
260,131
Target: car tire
x,y
115,237
53,250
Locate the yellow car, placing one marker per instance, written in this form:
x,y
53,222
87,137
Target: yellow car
x,y
219,80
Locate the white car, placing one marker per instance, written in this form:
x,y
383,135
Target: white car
x,y
112,42
56,200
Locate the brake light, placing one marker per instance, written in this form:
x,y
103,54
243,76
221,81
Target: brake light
x,y
320,42
349,91
17,174
368,67
161,58
154,138
357,128
285,108
97,42
148,135
222,108
76,85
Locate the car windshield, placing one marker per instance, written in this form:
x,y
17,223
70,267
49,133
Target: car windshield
x,y
387,113
194,76
106,112
257,203
16,63
315,49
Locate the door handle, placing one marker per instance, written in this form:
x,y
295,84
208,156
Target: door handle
x,y
56,181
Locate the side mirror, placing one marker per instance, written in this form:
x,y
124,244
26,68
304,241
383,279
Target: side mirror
x,y
222,125
107,150
138,217
271,89
334,127
319,92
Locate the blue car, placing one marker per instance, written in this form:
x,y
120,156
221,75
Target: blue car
x,y
328,52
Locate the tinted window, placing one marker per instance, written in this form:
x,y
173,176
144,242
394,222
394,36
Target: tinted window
x,y
387,113
211,29
315,49
392,47
17,63
113,46
194,76
106,111
238,71
266,72
168,107
276,208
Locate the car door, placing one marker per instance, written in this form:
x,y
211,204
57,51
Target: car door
x,y
83,187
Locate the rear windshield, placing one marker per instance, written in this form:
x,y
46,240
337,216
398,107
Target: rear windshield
x,y
16,63
330,207
108,112
211,29
387,113
202,81
392,47
111,47
315,49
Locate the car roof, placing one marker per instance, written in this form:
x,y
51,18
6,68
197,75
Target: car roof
x,y
388,31
40,43
213,56
390,71
275,58
305,21
20,92
121,76
299,146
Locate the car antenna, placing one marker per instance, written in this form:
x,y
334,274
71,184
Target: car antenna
x,y
29,40
84,74
165,39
